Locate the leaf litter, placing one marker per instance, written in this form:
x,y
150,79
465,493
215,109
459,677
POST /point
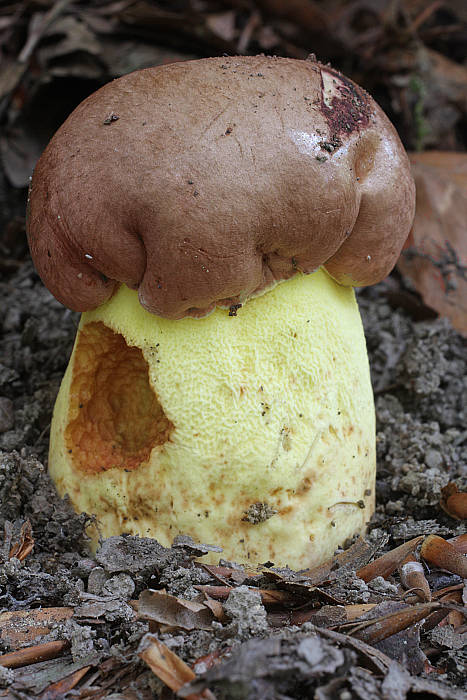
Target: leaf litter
x,y
138,618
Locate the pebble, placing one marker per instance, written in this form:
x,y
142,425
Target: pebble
x,y
433,459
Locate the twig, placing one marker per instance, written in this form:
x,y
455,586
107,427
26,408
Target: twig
x,y
425,14
33,655
35,36
386,564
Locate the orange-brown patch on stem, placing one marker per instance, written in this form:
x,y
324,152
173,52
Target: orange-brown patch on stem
x,y
115,417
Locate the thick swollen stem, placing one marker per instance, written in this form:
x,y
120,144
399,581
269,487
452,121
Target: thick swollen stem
x,y
255,432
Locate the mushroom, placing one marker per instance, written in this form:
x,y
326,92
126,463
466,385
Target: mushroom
x,y
211,219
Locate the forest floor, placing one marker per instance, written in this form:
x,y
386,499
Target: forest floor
x,y
253,648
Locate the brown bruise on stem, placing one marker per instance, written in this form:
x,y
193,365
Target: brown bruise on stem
x,y
115,417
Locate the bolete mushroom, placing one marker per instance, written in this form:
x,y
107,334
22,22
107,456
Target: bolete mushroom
x,y
239,199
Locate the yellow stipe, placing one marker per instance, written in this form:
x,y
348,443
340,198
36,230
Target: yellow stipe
x,y
273,407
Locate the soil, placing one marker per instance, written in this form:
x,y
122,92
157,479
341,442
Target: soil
x,y
419,377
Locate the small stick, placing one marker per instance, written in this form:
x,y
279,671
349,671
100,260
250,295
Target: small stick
x,y
268,597
385,565
438,552
375,630
33,655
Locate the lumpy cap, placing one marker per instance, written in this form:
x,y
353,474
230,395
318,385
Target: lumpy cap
x,y
206,182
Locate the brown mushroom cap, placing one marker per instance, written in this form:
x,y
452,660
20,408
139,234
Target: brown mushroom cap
x,y
203,183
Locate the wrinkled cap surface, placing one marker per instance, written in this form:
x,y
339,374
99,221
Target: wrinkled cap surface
x,y
206,182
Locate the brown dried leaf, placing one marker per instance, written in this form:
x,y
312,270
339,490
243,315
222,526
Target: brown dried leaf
x,y
352,558
215,606
167,666
330,615
438,552
25,544
268,597
57,690
165,609
453,501
435,254
224,573
353,612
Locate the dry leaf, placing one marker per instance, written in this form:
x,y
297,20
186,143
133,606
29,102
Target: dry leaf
x,y
435,254
57,690
268,597
167,666
453,501
165,609
25,544
354,557
216,607
438,552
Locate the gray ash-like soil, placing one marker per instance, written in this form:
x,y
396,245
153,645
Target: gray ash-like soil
x,y
419,377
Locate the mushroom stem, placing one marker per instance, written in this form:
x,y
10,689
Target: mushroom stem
x,y
165,427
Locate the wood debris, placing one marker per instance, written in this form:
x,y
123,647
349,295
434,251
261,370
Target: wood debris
x,y
25,543
169,667
290,598
413,578
34,654
21,627
168,611
436,551
386,565
453,501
